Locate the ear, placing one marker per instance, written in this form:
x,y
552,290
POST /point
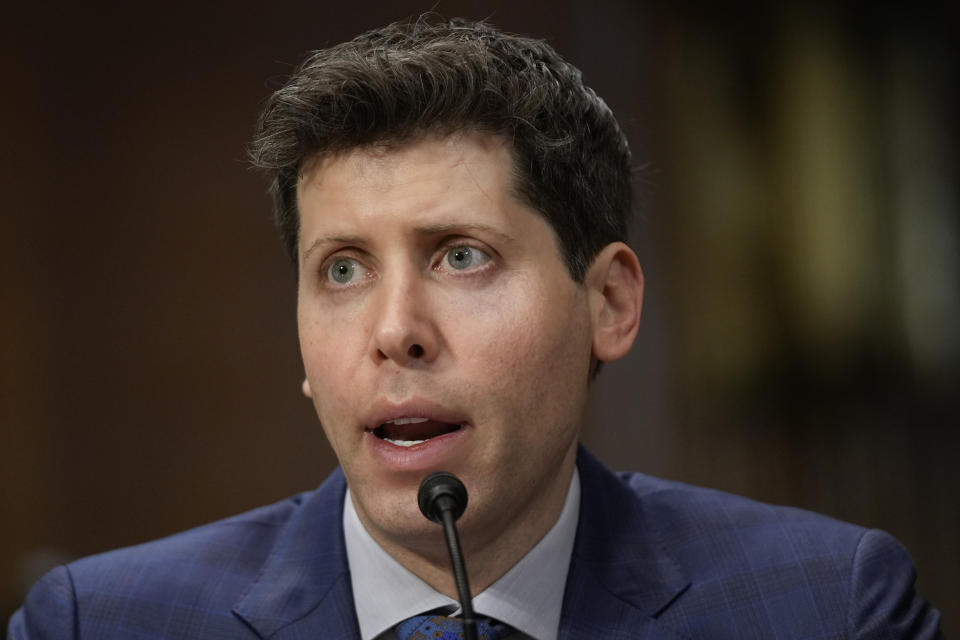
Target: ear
x,y
307,391
615,285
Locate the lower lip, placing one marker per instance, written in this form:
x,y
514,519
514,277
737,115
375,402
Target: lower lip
x,y
426,456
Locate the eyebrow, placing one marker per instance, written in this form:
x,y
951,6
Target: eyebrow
x,y
325,240
425,231
450,227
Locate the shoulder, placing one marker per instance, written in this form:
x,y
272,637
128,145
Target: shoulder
x,y
781,566
697,516
197,574
232,547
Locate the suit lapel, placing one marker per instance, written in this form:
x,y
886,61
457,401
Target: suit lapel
x,y
303,590
620,577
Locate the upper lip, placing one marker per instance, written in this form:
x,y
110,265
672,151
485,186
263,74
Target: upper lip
x,y
384,411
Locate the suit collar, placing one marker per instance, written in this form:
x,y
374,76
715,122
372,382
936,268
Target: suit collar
x,y
306,579
620,572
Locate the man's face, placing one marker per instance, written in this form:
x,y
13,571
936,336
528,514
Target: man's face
x,y
440,330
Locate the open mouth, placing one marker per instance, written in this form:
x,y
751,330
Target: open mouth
x,y
407,432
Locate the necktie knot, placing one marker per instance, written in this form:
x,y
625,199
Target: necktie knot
x,y
437,627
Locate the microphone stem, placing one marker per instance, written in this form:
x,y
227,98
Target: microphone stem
x,y
460,576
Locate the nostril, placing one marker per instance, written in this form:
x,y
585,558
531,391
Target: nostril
x,y
415,351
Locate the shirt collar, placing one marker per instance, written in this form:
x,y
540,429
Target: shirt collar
x,y
529,597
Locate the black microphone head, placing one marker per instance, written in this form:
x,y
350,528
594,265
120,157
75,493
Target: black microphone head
x,y
439,491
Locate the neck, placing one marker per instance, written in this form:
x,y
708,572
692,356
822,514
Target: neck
x,y
487,556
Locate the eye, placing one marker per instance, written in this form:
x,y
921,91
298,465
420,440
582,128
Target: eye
x,y
344,271
464,257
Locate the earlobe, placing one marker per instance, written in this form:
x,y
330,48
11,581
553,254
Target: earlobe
x,y
615,283
307,391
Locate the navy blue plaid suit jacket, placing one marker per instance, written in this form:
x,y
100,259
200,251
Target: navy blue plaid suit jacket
x,y
652,559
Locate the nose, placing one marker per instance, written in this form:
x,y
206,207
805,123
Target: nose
x,y
405,330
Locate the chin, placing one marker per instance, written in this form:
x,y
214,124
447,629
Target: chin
x,y
394,514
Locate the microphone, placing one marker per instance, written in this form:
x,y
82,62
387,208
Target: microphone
x,y
443,499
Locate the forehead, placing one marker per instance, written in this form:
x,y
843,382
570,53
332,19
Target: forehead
x,y
378,167
431,180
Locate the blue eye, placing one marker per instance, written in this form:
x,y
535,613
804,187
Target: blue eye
x,y
343,271
460,257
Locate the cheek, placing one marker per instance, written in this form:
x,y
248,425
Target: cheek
x,y
329,349
329,334
532,352
491,334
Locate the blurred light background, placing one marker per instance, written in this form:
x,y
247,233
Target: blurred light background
x,y
798,224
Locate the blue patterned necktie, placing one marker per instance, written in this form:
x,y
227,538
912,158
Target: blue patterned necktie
x,y
437,627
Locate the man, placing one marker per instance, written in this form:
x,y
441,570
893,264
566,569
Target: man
x,y
455,201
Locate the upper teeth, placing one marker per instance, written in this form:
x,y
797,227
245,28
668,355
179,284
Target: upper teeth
x,y
406,420
404,443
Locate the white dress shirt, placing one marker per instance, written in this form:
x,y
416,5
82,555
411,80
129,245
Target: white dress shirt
x,y
528,597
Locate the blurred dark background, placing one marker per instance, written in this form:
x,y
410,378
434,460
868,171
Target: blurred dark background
x,y
798,224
